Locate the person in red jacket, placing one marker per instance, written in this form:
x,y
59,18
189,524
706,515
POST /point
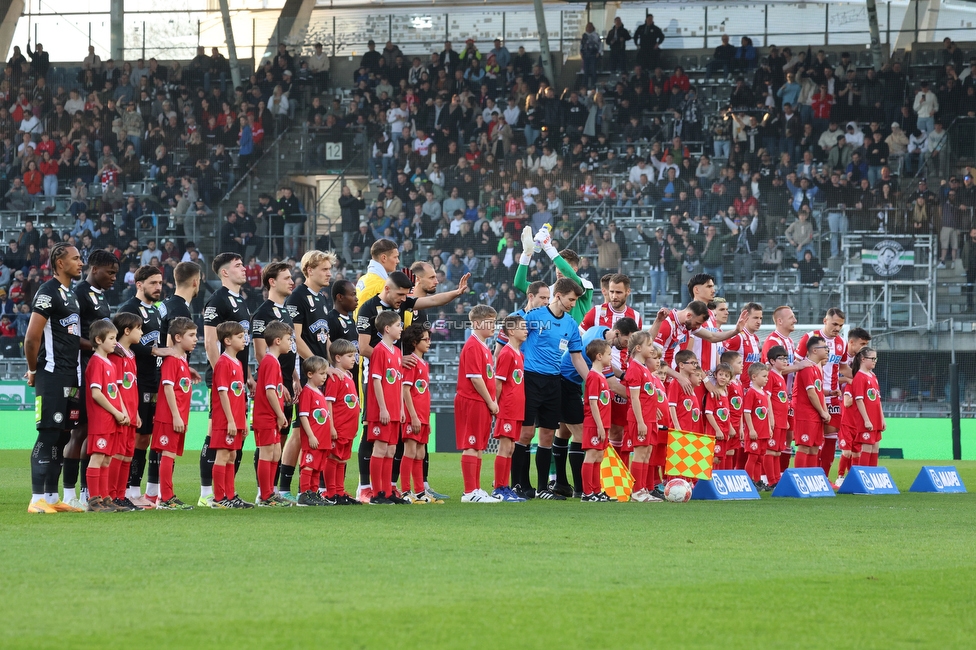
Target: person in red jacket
x,y
679,79
33,179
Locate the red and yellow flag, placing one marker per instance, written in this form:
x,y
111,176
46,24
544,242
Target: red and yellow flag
x,y
615,478
690,455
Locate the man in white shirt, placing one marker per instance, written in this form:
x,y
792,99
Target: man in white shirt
x,y
319,64
926,105
422,143
397,118
640,169
513,113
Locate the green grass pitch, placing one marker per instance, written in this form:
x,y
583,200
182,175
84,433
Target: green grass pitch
x,y
848,572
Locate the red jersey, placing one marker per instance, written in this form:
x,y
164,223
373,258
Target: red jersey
x,y
735,391
476,361
511,372
779,398
639,377
125,366
718,406
706,351
418,379
596,389
269,376
606,316
661,399
756,406
811,377
176,373
311,404
341,391
385,365
687,408
103,375
670,336
865,388
831,369
748,346
228,376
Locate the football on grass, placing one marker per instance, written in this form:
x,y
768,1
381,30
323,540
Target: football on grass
x,y
677,490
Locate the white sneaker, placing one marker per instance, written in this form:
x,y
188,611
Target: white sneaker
x,y
144,502
641,496
478,496
78,503
839,482
941,266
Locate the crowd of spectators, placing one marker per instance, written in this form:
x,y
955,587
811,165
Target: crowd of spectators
x,y
754,172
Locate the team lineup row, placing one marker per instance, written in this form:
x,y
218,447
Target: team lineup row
x,y
543,351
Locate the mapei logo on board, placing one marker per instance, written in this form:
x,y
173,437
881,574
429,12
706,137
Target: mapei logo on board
x,y
944,478
806,484
875,481
734,484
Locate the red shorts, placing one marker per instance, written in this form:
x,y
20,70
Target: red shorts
x,y
757,447
511,429
809,434
592,441
165,439
660,454
472,424
791,420
778,441
618,412
845,438
388,433
869,437
342,449
421,436
649,440
313,459
267,437
719,447
220,440
730,444
835,418
103,443
125,442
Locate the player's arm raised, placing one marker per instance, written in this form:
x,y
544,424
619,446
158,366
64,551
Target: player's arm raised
x,y
441,299
718,337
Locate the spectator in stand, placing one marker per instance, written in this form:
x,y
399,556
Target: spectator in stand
x,y
772,256
800,233
811,273
722,59
350,207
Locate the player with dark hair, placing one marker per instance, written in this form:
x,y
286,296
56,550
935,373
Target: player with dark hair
x,y
277,281
149,286
673,327
809,407
226,304
52,347
188,276
103,268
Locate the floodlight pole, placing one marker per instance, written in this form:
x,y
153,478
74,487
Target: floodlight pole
x,y
876,54
540,21
235,68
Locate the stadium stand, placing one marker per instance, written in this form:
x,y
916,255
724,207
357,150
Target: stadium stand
x,y
765,166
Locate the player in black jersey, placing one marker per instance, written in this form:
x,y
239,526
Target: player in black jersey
x,y
279,284
149,352
103,267
342,323
308,308
394,296
52,347
188,276
226,304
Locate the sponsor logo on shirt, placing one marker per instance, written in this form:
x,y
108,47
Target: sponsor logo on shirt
x,y
781,396
517,376
421,386
351,401
872,394
761,412
722,413
111,391
128,380
237,388
185,384
604,397
736,402
320,416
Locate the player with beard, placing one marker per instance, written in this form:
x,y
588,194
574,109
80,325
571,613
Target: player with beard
x,y
838,361
279,284
701,287
747,342
188,277
149,351
308,308
103,267
52,345
226,304
394,296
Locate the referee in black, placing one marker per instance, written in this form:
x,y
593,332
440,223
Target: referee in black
x,y
52,347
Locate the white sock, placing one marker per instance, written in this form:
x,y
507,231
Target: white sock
x,y
36,497
152,490
426,485
367,486
206,491
51,497
132,492
84,494
69,494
